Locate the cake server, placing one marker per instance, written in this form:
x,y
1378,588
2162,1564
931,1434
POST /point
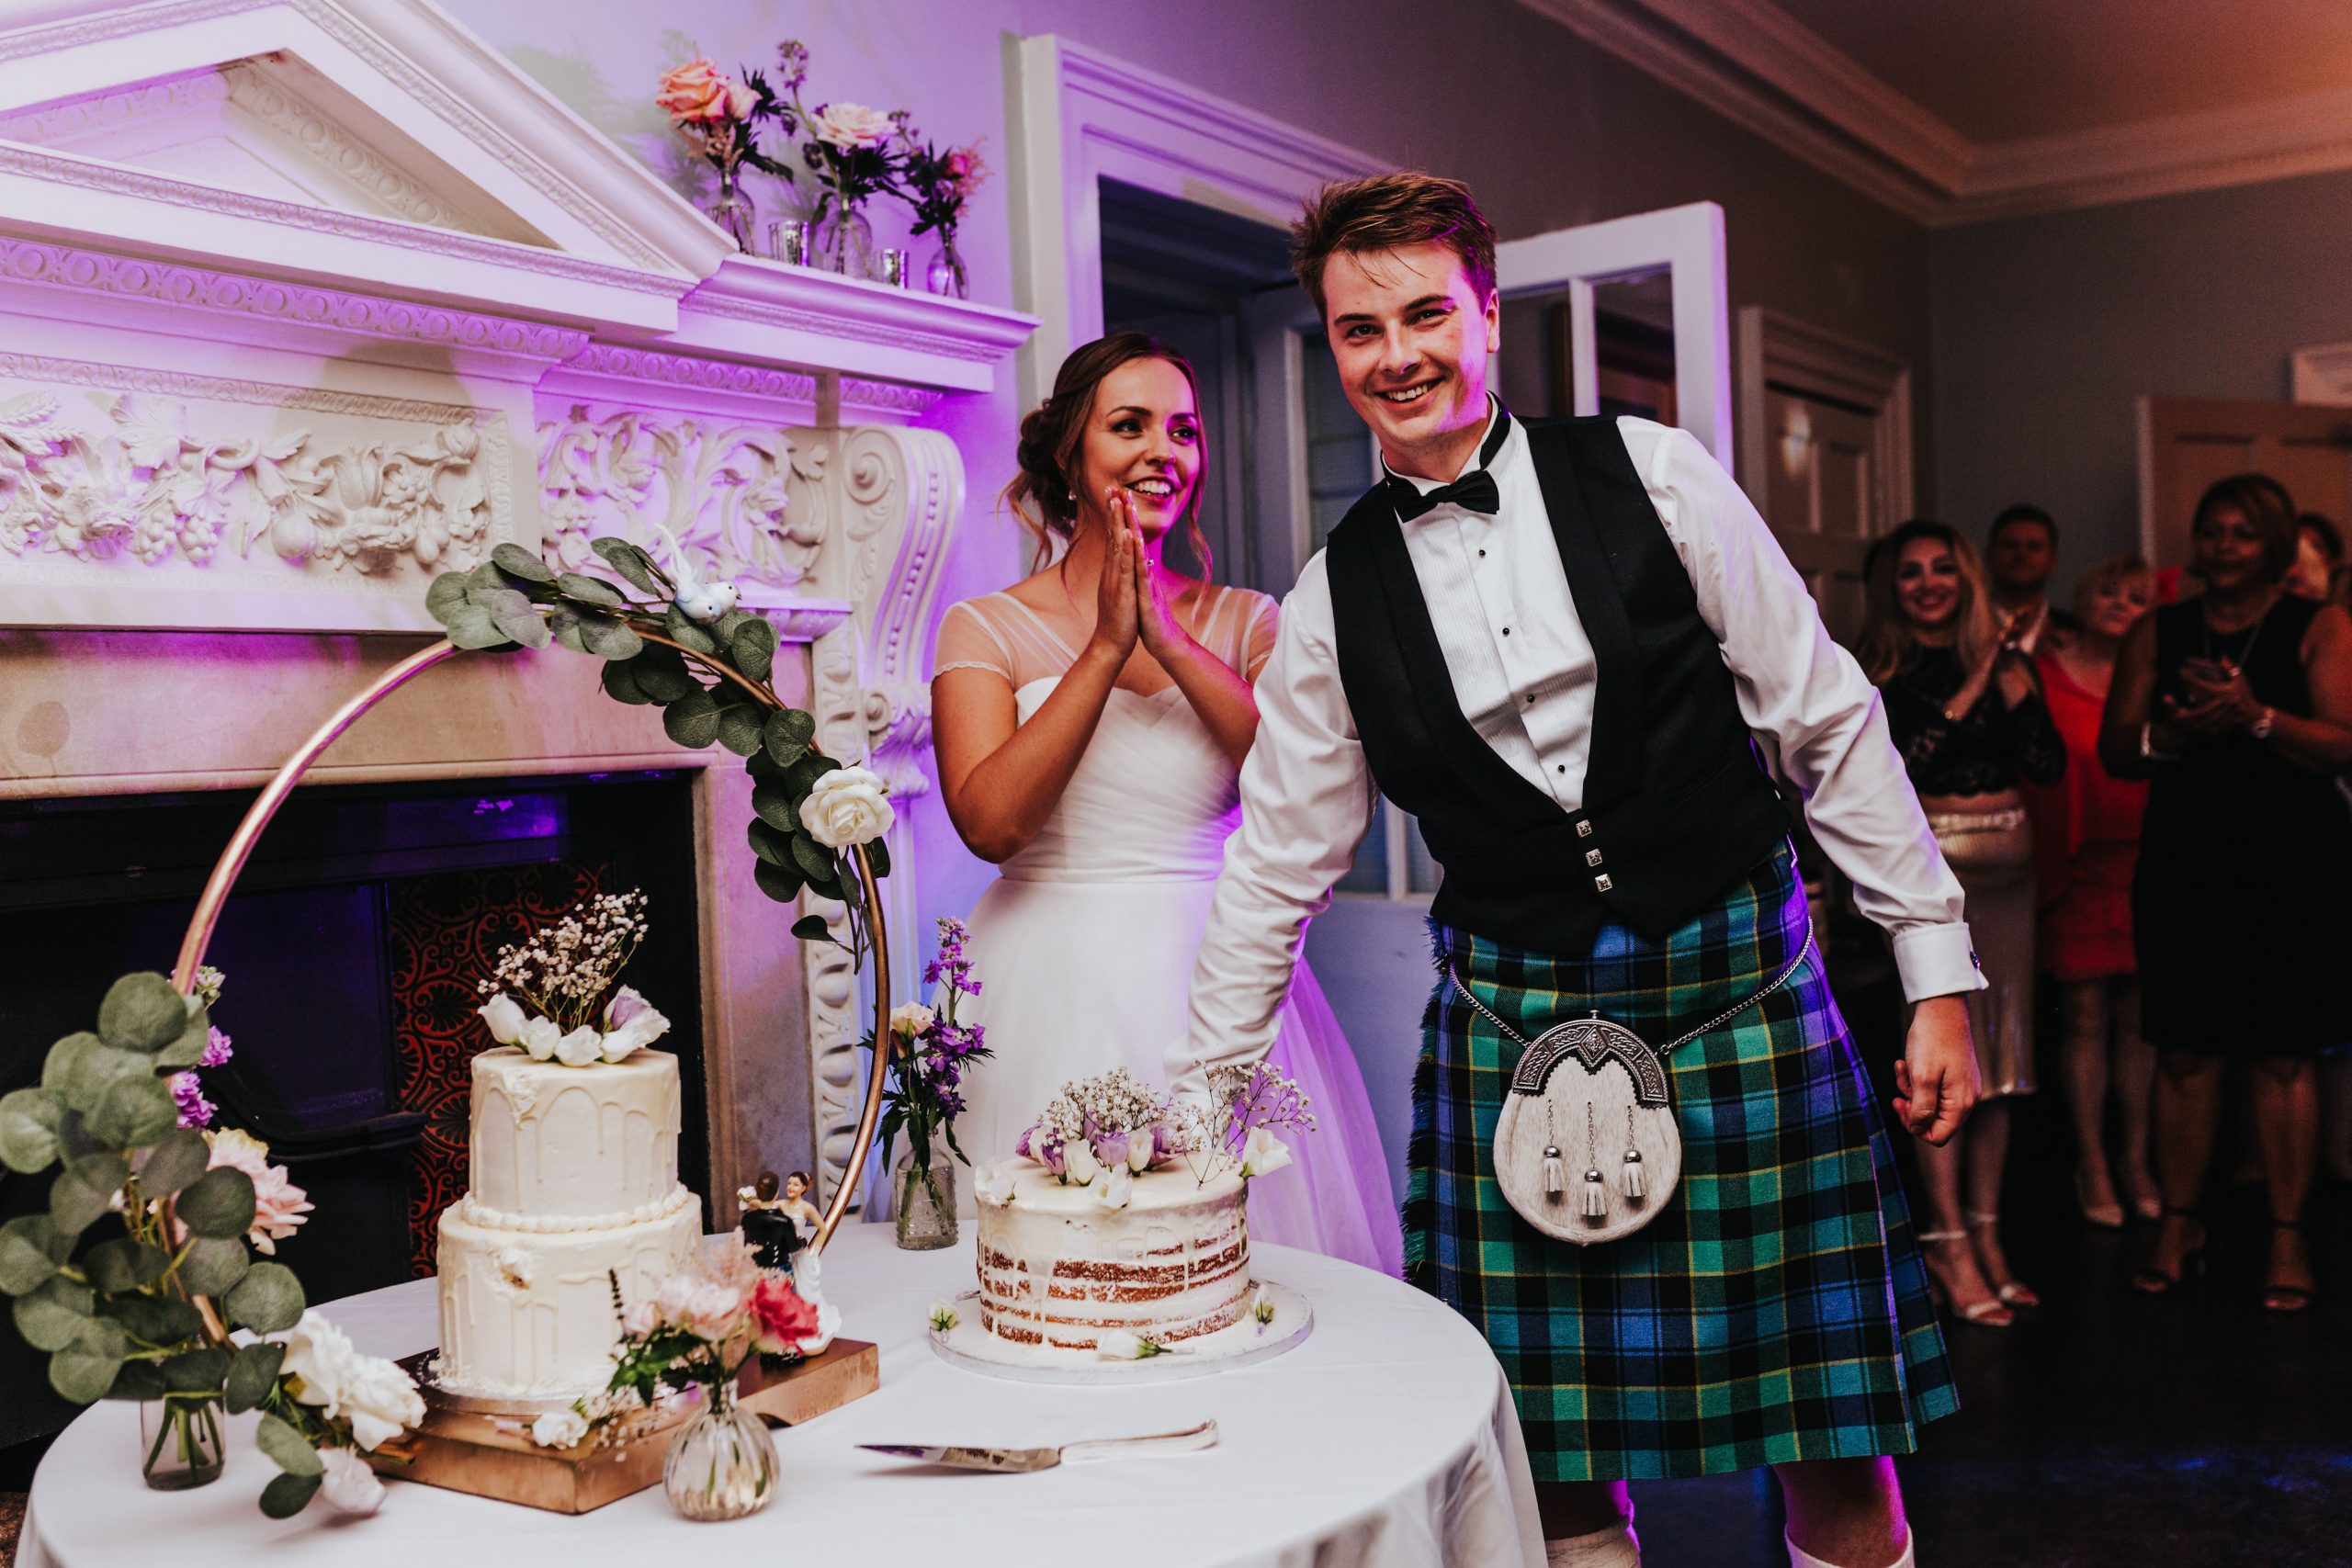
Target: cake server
x,y
1201,1436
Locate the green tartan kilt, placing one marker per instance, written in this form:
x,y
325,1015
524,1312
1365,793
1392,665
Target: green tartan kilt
x,y
1777,1309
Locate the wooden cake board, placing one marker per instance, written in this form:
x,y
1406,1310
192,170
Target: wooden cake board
x,y
493,1456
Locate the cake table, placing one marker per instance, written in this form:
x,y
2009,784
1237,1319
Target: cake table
x,y
1387,1440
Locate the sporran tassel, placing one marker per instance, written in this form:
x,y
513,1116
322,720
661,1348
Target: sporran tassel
x,y
1596,1196
1556,1175
1637,1184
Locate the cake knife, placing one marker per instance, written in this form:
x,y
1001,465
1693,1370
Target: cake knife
x,y
1014,1459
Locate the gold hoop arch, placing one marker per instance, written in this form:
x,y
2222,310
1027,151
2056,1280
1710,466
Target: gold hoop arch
x,y
257,817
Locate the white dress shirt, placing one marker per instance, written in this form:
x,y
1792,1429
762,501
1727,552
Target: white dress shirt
x,y
1523,670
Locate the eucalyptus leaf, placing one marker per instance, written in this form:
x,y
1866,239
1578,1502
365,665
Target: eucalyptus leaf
x,y
178,1158
286,1447
812,927
773,802
753,645
156,1320
878,855
630,564
471,626
662,674
252,1373
620,683
134,1112
28,1122
590,591
142,1013
196,1371
123,1264
609,638
98,1069
816,861
219,1203
29,1254
781,883
501,601
727,626
83,1371
526,625
803,775
288,1496
50,1318
693,720
65,1059
447,592
210,1264
514,558
681,629
563,625
486,575
84,1191
139,1381
740,727
269,1300
788,733
771,846
188,1049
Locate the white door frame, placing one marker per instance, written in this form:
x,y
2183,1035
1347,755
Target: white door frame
x,y
1073,115
1780,350
1687,240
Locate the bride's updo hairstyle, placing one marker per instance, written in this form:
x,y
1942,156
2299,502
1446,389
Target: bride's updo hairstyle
x,y
1053,436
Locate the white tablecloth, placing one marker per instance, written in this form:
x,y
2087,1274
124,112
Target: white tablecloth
x,y
1387,1439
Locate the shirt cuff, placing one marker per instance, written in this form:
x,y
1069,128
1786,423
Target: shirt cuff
x,y
1937,961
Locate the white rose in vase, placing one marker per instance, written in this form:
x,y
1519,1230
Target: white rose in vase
x,y
851,125
319,1359
847,807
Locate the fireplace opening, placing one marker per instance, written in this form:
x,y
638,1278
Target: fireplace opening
x,y
352,949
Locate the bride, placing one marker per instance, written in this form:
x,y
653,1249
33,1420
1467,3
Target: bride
x,y
1089,723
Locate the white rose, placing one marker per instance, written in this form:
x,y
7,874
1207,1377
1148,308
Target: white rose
x,y
538,1037
349,1483
943,1316
1078,1164
910,1019
319,1358
1115,1188
846,806
1118,1344
379,1401
560,1429
996,1181
642,1319
631,1023
851,125
675,1294
581,1047
1262,1153
506,1017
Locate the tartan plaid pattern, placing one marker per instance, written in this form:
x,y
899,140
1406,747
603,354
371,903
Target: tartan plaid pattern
x,y
1777,1309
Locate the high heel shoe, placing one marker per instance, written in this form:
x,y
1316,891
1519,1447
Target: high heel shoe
x,y
1989,1312
2151,1281
2288,1299
2148,1197
2106,1216
2013,1293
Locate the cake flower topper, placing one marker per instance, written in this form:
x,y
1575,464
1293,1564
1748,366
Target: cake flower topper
x,y
563,971
1104,1131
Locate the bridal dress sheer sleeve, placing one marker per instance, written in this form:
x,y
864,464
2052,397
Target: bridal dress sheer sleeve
x,y
1084,945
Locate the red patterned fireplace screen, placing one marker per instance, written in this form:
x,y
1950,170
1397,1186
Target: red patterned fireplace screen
x,y
446,930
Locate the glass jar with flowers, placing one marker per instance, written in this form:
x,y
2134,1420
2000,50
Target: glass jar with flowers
x,y
716,114
930,1052
936,185
848,149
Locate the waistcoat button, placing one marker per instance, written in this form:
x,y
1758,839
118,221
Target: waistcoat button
x,y
1584,829
1592,857
1603,884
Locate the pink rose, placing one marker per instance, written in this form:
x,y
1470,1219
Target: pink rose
x,y
675,1294
714,1313
279,1206
851,125
642,1319
781,1316
698,93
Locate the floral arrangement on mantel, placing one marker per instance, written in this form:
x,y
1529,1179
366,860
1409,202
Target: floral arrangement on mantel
x,y
564,970
1104,1131
167,1305
684,647
925,1091
716,114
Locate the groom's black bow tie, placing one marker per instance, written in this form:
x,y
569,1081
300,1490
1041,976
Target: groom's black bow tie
x,y
1473,492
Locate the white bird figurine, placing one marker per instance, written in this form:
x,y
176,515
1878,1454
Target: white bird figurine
x,y
701,603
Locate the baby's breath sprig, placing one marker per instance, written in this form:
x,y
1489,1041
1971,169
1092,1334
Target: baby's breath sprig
x,y
564,970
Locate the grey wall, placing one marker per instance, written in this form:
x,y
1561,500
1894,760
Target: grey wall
x,y
2047,329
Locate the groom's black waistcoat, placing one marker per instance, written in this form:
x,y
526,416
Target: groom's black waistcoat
x,y
1677,806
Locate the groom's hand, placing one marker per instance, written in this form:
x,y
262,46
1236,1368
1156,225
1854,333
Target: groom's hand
x,y
1936,1083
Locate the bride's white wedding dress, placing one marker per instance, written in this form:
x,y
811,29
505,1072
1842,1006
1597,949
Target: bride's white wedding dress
x,y
1084,946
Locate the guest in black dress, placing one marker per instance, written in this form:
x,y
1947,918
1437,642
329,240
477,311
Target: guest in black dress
x,y
1966,709
2237,706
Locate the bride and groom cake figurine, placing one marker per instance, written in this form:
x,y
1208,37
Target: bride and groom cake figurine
x,y
1557,645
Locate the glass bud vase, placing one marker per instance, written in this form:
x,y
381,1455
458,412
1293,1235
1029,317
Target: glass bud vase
x,y
731,211
182,1440
721,1463
946,274
844,243
925,1200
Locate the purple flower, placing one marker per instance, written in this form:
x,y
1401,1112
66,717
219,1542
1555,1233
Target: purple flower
x,y
195,1109
216,1050
1043,1145
1109,1148
1166,1143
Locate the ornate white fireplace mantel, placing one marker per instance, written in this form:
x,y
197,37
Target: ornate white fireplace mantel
x,y
303,301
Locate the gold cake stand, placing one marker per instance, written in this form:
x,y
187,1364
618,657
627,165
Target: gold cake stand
x,y
490,1454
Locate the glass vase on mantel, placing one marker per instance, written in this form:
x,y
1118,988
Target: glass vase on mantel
x,y
946,274
181,1438
721,1463
843,242
924,1199
731,211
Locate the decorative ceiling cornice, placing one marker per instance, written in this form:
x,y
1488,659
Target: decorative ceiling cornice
x,y
1759,67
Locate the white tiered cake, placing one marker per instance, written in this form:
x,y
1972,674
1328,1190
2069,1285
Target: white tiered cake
x,y
574,1183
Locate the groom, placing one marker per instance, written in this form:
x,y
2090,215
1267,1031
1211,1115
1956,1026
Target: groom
x,y
1556,647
